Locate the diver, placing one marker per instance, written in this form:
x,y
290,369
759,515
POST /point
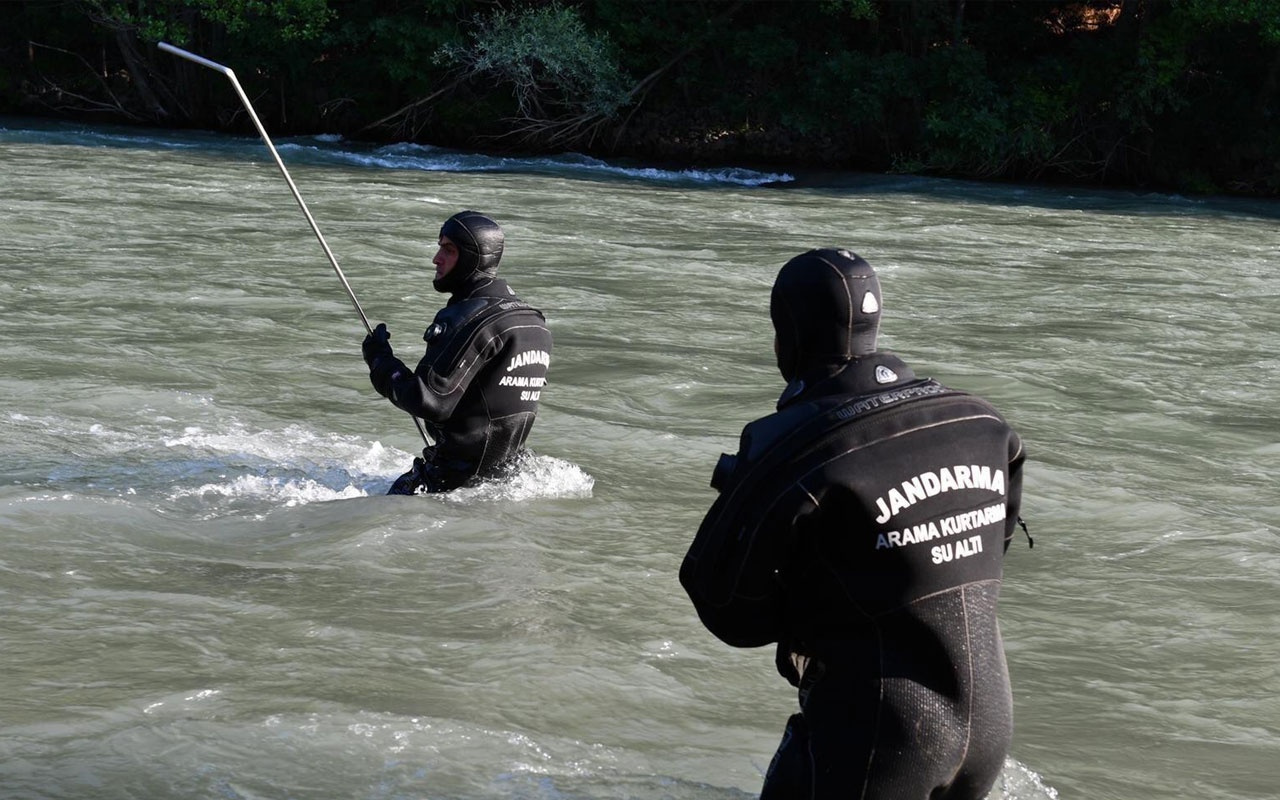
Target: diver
x,y
862,528
478,385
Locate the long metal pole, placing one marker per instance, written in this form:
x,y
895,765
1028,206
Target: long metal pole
x,y
262,131
231,76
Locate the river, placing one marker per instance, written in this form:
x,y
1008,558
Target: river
x,y
206,594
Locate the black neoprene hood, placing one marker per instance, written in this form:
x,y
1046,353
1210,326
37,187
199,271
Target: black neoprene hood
x,y
825,307
479,241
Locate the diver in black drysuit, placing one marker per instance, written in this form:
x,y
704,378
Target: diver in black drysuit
x,y
862,527
477,388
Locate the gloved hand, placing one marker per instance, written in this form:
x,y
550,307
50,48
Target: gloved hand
x,y
416,477
411,481
377,344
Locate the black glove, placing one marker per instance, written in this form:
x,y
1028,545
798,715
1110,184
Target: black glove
x,y
725,467
377,344
416,477
411,481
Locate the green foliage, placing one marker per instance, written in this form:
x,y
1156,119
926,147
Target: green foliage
x,y
853,9
388,47
1182,94
547,56
1261,15
966,124
172,20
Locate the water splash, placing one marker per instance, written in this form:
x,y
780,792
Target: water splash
x,y
1019,782
532,477
230,468
281,491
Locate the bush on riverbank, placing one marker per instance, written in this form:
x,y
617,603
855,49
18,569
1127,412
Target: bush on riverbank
x,y
1168,94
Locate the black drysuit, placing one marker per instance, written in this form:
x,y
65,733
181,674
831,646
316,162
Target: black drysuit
x,y
477,387
862,528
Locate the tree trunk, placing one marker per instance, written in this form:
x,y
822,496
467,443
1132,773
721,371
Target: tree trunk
x,y
139,71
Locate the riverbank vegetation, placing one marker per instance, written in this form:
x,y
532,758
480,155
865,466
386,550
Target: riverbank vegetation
x,y
1176,95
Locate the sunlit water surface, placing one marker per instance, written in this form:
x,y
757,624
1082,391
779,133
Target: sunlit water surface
x,y
206,595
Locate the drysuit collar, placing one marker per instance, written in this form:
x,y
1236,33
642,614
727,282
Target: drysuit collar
x,y
863,376
479,285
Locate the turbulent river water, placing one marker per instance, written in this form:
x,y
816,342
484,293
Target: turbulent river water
x,y
206,595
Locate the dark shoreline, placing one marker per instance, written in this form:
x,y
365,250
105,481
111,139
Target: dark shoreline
x,y
803,174
1158,96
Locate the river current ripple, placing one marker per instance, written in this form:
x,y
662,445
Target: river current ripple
x,y
206,594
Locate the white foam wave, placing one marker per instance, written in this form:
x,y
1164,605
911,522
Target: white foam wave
x,y
427,158
98,136
228,467
296,466
533,477
295,445
333,149
280,491
1019,782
